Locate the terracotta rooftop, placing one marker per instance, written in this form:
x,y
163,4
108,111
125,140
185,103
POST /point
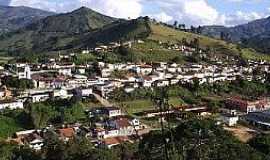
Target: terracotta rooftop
x,y
66,132
115,140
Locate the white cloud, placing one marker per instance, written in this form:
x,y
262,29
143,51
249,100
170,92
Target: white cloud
x,y
163,17
195,12
242,17
190,12
49,5
121,9
199,12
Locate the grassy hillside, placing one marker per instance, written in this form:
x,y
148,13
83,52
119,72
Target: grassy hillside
x,y
166,34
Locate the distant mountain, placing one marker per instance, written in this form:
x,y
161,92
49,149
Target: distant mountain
x,y
54,32
255,34
13,18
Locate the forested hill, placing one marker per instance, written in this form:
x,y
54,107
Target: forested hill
x,y
79,21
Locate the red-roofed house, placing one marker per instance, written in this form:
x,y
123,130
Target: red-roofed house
x,y
247,106
66,133
114,141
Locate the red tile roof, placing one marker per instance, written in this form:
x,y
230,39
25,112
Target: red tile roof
x,y
115,140
66,132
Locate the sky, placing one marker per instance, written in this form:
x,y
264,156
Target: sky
x,y
190,12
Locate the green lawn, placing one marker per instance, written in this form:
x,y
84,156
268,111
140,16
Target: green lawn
x,y
136,106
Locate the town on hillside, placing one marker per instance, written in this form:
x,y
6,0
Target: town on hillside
x,y
101,89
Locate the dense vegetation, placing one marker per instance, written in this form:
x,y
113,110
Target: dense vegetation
x,y
191,140
261,143
40,115
56,112
195,139
13,121
13,82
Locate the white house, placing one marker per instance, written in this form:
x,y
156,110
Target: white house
x,y
229,119
125,126
61,93
40,97
11,104
24,72
113,111
65,71
83,92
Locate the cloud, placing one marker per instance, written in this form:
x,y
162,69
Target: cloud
x,y
200,12
121,9
241,17
55,6
163,17
190,12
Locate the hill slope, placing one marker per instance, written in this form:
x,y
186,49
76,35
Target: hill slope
x,y
80,21
85,28
153,34
219,47
13,18
121,30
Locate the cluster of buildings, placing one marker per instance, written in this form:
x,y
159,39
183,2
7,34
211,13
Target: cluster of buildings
x,y
109,127
110,47
255,112
64,79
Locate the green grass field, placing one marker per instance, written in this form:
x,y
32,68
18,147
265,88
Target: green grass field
x,y
136,106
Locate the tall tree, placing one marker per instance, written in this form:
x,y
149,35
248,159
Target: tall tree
x,y
41,114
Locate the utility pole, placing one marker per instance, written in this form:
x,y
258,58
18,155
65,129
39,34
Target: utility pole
x,y
161,101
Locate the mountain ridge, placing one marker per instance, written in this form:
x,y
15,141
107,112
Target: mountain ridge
x,y
76,22
250,34
13,18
